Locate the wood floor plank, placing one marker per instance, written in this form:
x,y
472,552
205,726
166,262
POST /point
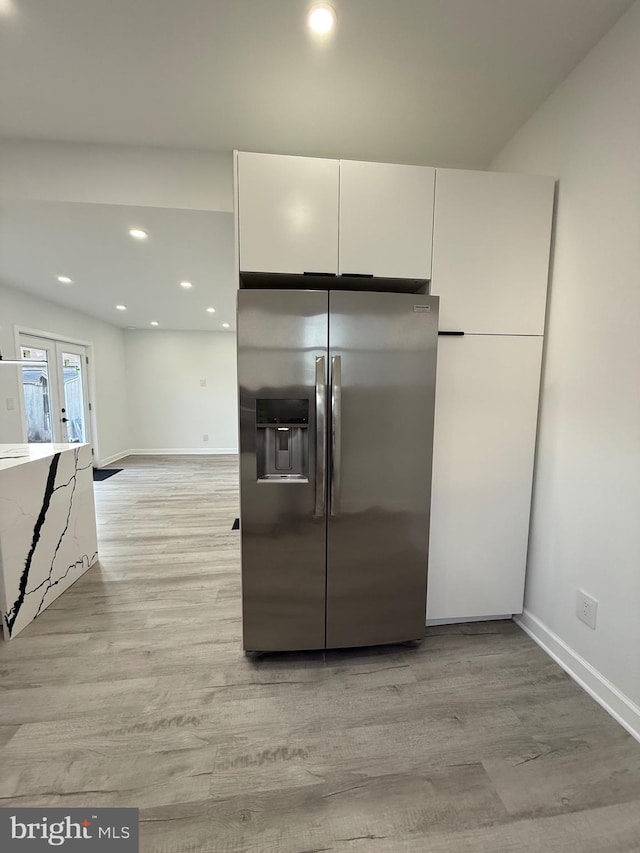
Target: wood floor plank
x,y
553,778
96,777
7,733
331,814
604,830
64,701
132,689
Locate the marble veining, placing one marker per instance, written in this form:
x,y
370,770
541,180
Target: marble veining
x,y
46,542
12,615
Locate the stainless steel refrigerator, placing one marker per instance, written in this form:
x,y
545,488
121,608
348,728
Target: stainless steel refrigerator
x,y
336,393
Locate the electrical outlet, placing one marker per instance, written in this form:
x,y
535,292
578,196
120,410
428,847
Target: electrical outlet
x,y
586,608
203,383
205,437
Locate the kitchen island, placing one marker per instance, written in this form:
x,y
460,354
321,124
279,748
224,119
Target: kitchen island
x,y
47,526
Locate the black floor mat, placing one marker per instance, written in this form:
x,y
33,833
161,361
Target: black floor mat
x,y
104,473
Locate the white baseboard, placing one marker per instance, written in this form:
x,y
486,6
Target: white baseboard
x,y
606,694
184,451
101,463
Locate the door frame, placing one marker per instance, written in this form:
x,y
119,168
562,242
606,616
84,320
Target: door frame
x,y
90,374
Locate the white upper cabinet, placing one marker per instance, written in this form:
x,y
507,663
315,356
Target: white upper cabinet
x,y
491,243
288,213
386,219
483,453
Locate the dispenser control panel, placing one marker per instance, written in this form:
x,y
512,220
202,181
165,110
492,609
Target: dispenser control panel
x,y
282,440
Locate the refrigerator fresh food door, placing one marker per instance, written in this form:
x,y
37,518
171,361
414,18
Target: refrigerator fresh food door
x,y
382,352
282,373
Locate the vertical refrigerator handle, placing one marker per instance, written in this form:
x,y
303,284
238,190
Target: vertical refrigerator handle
x,y
321,437
336,436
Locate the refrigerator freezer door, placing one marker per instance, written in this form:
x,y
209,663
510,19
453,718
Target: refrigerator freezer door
x,y
282,353
385,346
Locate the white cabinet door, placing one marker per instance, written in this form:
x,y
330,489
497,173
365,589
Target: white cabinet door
x,y
386,219
288,213
484,442
491,242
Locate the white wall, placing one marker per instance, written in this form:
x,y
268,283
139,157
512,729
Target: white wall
x,y
169,409
586,514
110,399
116,174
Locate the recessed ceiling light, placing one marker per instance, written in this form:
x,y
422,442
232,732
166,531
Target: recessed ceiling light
x,y
121,307
211,310
64,279
138,233
321,18
225,325
155,323
186,284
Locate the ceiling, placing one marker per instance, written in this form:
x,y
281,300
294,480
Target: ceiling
x,y
90,243
443,82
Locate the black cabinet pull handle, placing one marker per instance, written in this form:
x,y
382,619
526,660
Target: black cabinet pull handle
x,y
356,275
452,334
328,274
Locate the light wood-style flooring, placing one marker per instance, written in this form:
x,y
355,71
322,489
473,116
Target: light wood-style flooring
x,y
132,690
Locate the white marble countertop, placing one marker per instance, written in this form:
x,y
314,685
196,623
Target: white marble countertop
x,y
12,455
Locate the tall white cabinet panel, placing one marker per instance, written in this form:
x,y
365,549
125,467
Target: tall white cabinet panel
x,y
491,251
484,442
288,213
386,219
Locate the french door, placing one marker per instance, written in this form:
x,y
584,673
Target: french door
x,y
55,391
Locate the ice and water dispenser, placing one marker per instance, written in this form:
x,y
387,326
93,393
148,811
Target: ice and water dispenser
x,y
282,428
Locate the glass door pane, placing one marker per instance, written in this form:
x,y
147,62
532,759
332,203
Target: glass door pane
x,y
55,393
36,388
73,398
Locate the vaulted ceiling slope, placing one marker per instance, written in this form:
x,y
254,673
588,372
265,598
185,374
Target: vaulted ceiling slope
x,y
90,244
445,82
